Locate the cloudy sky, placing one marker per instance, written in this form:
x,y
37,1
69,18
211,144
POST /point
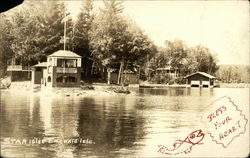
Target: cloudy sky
x,y
222,26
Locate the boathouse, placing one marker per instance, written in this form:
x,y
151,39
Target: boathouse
x,y
17,70
200,79
63,69
37,72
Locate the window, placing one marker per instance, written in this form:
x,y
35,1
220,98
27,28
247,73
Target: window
x,y
67,62
66,79
61,63
59,79
49,79
71,63
71,79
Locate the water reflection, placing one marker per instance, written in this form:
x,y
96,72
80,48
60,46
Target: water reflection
x,y
119,126
112,126
111,123
46,110
177,91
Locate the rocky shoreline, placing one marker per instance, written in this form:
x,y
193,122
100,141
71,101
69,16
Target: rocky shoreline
x,y
71,91
86,90
5,83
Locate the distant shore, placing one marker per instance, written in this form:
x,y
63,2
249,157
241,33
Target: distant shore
x,y
234,85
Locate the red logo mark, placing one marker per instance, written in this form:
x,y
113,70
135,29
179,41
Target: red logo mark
x,y
183,146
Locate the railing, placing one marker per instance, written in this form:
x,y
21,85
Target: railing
x,y
66,70
17,67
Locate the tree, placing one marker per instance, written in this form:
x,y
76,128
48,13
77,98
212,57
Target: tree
x,y
191,64
36,29
177,51
50,36
186,59
117,42
82,33
174,54
18,32
134,51
233,73
5,39
206,61
105,34
159,60
24,29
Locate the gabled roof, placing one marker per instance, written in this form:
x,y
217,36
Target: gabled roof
x,y
64,53
202,73
42,64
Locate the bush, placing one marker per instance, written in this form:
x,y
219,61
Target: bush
x,y
171,82
180,80
143,76
161,78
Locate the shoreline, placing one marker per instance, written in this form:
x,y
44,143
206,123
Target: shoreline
x,y
86,90
102,88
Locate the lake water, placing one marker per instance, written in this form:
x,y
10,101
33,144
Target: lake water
x,y
104,126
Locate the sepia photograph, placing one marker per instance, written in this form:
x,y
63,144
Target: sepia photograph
x,y
124,78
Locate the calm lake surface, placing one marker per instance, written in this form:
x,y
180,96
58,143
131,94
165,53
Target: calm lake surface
x,y
107,126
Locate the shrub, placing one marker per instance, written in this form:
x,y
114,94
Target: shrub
x,y
161,78
171,82
180,80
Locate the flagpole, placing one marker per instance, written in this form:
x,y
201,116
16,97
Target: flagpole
x,y
64,38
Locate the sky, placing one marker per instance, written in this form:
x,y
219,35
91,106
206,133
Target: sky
x,y
222,26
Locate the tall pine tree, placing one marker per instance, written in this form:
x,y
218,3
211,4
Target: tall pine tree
x,y
81,40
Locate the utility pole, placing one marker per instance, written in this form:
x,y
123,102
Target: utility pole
x,y
65,25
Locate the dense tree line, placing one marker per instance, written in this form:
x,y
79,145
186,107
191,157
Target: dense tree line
x,y
116,42
30,33
233,74
183,59
5,40
104,38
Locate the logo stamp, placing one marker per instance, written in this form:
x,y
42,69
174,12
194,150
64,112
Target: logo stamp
x,y
224,121
183,146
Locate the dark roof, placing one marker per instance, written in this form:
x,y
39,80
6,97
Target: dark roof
x,y
202,73
64,53
42,64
